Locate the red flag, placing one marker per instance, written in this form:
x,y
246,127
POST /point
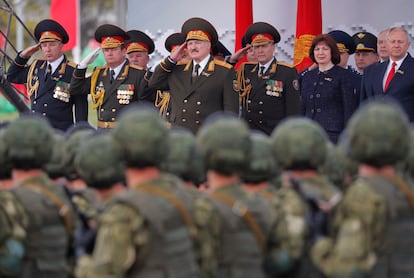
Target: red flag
x,y
244,18
308,25
65,12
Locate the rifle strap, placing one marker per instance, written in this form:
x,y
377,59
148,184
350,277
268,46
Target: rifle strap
x,y
63,209
243,211
172,200
403,187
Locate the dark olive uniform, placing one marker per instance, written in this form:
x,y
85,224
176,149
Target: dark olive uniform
x,y
109,98
272,97
191,102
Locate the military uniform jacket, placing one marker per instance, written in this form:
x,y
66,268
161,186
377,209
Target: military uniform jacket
x,y
329,98
109,98
271,97
50,97
191,102
400,88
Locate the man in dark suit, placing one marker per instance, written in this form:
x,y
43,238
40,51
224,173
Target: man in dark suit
x,y
113,86
200,86
269,89
392,79
48,78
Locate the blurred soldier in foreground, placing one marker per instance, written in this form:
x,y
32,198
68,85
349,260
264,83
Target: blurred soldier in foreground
x,y
262,168
145,231
48,78
37,218
306,195
99,166
374,221
244,239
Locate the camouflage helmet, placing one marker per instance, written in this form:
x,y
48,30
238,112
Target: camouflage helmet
x,y
224,144
29,142
54,168
333,168
140,137
378,134
75,136
299,143
97,163
407,166
183,158
262,165
5,165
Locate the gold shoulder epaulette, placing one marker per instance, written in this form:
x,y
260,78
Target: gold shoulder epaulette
x,y
136,67
72,64
182,63
222,63
285,64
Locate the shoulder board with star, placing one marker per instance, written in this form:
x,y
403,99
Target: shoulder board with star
x,y
285,64
223,64
136,67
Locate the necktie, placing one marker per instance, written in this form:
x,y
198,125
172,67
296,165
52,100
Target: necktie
x,y
112,76
48,71
390,75
196,69
194,75
261,72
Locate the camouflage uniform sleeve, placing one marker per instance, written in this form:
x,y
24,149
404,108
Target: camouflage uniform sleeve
x,y
363,203
360,222
207,222
287,238
121,234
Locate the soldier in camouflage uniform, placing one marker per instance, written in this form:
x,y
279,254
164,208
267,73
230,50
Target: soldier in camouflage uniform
x,y
262,168
183,158
242,236
307,196
5,165
97,164
37,221
145,231
374,220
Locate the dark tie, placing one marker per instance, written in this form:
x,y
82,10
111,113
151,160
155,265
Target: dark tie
x,y
390,75
194,75
262,71
48,72
112,76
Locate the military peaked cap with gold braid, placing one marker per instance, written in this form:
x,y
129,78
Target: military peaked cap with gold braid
x,y
174,40
344,41
110,36
139,41
365,42
199,29
260,33
49,30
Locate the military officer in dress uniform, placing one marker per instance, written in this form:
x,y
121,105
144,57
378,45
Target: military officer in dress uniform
x,y
346,46
200,86
269,89
113,86
366,50
48,78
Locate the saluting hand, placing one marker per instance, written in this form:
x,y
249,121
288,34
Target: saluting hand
x,y
179,52
239,54
28,52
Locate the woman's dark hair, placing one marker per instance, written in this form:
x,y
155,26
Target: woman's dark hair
x,y
329,40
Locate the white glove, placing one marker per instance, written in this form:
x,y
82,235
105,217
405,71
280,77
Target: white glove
x,y
89,59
